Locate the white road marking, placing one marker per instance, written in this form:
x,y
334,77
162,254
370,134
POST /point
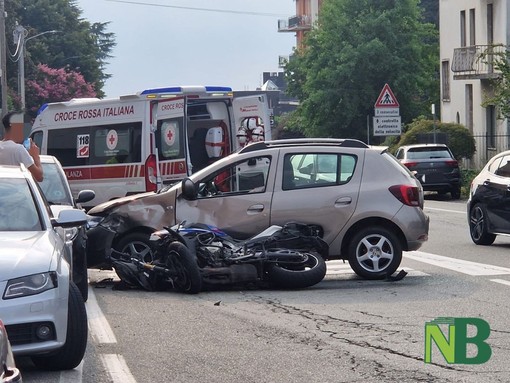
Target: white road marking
x,y
459,265
99,327
118,369
502,281
339,267
446,210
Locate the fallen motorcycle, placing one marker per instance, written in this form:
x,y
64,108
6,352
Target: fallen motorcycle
x,y
188,257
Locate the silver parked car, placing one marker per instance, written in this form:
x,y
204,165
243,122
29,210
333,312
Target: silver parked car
x,y
368,205
42,309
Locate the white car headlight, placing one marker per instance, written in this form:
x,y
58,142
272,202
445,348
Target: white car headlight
x,y
30,285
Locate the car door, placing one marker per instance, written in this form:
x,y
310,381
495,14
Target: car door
x,y
236,197
495,194
317,187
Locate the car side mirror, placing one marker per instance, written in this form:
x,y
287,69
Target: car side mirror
x,y
189,189
85,196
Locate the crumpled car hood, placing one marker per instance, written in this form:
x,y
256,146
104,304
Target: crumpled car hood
x,y
26,252
109,205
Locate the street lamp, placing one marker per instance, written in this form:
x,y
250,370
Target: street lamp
x,y
20,34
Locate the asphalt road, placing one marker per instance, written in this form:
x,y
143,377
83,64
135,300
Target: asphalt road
x,y
344,329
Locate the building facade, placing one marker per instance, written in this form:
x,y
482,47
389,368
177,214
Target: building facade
x,y
469,31
307,12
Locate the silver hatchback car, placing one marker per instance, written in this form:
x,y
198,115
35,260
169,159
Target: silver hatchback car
x,y
369,206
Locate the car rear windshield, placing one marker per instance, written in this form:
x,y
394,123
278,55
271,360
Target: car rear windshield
x,y
427,153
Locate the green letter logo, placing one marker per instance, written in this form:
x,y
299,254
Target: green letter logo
x,y
454,347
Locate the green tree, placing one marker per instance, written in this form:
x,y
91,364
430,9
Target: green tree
x,y
500,96
431,11
357,47
78,46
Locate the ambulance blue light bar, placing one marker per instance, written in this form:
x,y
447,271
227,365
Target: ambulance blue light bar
x,y
187,90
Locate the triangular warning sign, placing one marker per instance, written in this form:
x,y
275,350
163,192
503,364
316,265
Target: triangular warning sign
x,y
386,99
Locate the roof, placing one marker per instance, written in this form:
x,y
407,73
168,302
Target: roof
x,y
338,142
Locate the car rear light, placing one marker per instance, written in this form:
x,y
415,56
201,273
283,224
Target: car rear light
x,y
452,163
151,173
410,164
407,194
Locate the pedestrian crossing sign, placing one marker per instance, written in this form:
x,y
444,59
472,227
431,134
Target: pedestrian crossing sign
x,y
386,99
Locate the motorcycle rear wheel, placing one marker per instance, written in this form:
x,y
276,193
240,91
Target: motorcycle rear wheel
x,y
180,260
292,276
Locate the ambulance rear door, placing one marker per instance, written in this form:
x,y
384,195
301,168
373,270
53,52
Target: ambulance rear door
x,y
168,123
252,119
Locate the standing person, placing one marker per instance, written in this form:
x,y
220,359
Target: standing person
x,y
12,152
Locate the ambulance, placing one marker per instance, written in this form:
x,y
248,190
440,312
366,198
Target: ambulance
x,y
142,142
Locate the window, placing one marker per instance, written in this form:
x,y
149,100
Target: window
x,y
428,153
248,176
490,25
491,126
169,138
316,170
504,167
97,145
445,80
493,167
469,106
472,30
462,28
115,144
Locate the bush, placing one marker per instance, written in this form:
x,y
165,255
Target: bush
x,y
467,177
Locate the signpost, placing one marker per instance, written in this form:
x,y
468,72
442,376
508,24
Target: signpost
x,y
387,114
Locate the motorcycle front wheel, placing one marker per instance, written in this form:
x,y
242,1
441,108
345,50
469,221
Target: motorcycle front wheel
x,y
297,276
187,274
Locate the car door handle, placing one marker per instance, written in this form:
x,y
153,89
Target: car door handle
x,y
255,208
342,201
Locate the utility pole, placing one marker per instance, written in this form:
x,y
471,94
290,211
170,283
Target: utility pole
x,y
3,62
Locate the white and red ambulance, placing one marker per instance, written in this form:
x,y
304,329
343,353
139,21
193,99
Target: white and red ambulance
x,y
138,143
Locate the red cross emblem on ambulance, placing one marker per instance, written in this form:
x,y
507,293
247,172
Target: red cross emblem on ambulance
x,y
112,139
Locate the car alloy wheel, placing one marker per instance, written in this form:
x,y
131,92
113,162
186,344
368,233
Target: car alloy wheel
x,y
478,226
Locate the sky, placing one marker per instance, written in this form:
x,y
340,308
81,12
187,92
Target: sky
x,y
169,45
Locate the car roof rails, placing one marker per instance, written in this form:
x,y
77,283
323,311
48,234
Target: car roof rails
x,y
341,142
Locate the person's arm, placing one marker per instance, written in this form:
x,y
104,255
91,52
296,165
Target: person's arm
x,y
36,169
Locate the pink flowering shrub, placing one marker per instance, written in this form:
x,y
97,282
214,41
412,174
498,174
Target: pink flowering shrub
x,y
54,85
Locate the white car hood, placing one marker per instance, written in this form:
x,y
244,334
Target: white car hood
x,y
27,252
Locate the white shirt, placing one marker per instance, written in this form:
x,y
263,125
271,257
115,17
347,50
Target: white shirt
x,y
12,153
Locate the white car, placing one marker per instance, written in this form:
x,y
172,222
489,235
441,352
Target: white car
x,y
42,309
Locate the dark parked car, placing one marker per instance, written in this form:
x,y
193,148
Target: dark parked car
x,y
369,206
434,165
58,193
488,206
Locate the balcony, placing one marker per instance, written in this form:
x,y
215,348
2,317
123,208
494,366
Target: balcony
x,y
476,62
295,23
